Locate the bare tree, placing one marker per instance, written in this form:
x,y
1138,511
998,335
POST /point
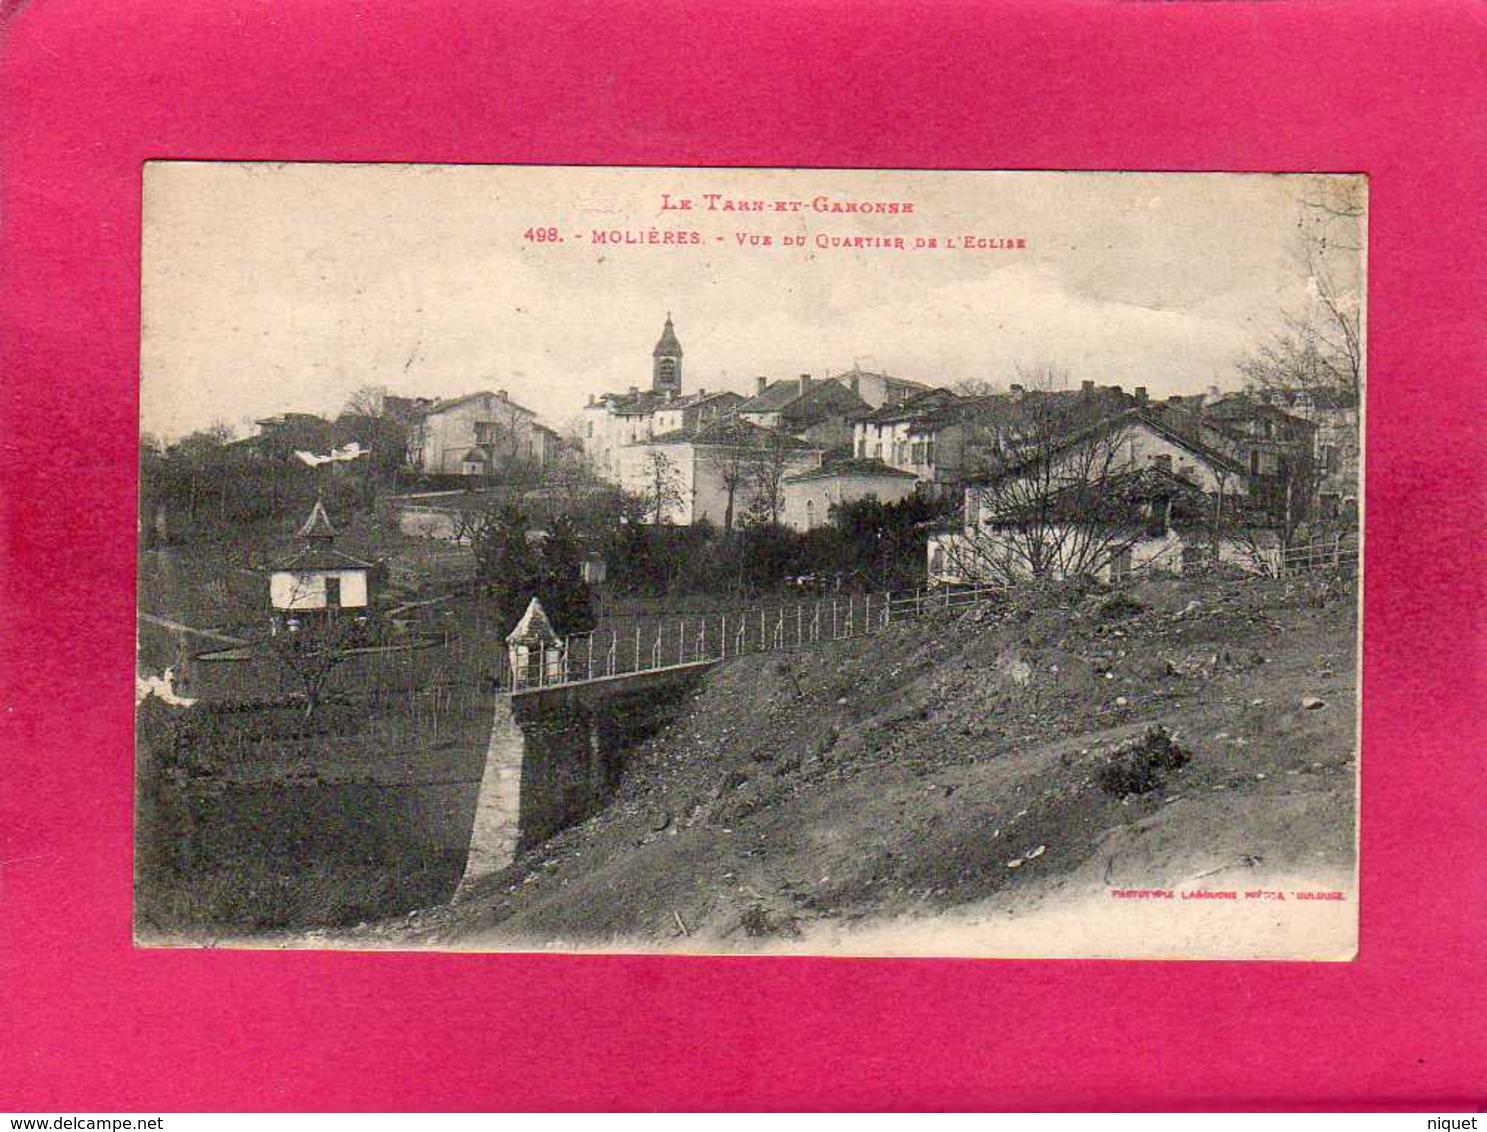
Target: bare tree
x,y
1321,347
976,387
730,449
1009,432
507,437
663,493
368,401
312,644
768,459
1065,500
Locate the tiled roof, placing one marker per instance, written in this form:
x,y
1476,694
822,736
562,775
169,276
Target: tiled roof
x,y
817,399
640,403
729,431
919,406
855,468
318,524
897,382
533,625
321,557
455,402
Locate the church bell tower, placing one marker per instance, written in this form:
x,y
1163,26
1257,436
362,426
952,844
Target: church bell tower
x,y
666,361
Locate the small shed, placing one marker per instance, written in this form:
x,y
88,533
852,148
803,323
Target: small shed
x,y
317,579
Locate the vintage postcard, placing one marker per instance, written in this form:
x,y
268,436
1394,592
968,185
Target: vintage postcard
x,y
750,560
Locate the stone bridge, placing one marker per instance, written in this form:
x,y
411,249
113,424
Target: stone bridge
x,y
556,755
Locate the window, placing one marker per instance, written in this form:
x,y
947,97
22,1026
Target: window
x,y
1159,512
810,514
332,592
1329,458
918,453
929,452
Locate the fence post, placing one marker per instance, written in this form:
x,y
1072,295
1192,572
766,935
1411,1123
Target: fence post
x,y
681,641
724,641
591,655
887,607
833,619
799,624
637,646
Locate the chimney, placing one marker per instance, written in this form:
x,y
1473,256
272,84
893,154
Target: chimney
x,y
634,390
1086,387
591,398
1017,389
805,382
1175,400
701,393
1141,394
1117,390
501,394
1162,462
761,383
1213,393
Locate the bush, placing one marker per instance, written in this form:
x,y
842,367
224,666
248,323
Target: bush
x,y
1119,606
1141,765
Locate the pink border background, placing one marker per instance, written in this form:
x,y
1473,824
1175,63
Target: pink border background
x,y
90,91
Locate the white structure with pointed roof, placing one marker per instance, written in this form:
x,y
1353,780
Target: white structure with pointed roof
x,y
533,649
317,578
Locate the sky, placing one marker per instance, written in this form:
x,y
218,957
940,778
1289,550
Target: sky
x,y
286,287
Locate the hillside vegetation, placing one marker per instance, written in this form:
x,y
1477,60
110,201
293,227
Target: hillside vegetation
x,y
963,771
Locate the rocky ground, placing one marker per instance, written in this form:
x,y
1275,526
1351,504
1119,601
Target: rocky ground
x,y
970,771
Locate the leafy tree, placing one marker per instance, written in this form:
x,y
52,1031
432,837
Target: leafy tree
x,y
505,563
514,568
559,583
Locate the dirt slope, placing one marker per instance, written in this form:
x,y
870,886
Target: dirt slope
x,y
874,787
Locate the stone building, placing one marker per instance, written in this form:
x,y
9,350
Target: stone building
x,y
477,434
810,495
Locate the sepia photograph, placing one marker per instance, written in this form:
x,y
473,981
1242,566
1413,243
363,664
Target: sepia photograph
x,y
741,561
